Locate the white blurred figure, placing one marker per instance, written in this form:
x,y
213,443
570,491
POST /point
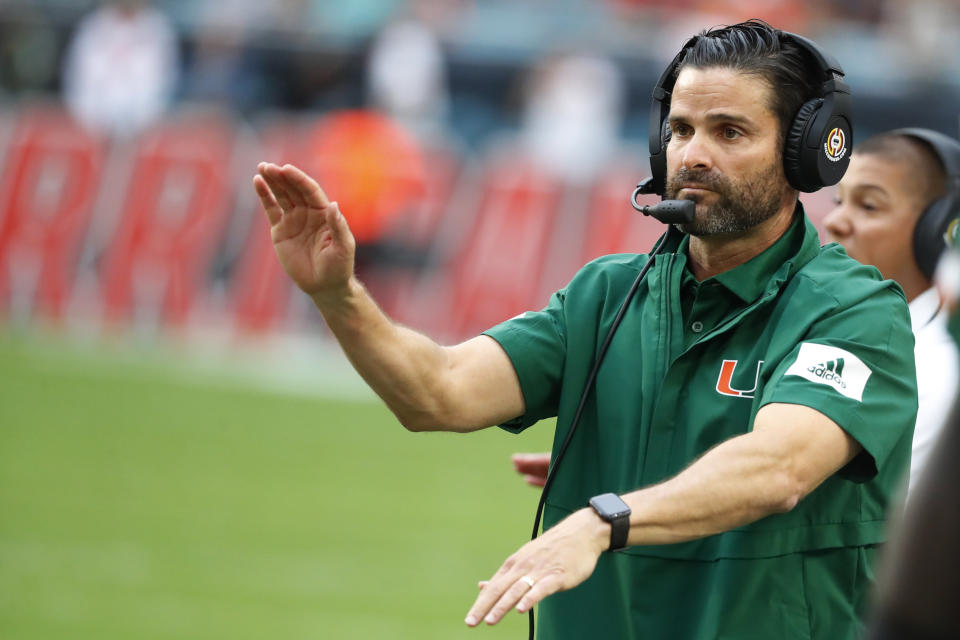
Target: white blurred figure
x,y
406,76
121,67
572,115
924,33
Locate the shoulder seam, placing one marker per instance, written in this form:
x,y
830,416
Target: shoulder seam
x,y
818,287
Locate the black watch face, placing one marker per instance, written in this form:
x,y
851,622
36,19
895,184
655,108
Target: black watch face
x,y
610,505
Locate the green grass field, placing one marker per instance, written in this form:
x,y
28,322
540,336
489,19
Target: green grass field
x,y
138,501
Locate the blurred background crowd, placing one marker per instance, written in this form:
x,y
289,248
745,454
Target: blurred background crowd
x,y
457,134
466,66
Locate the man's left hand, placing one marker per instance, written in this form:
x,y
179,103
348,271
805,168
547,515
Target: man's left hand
x,y
560,559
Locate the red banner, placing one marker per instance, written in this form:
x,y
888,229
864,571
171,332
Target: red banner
x,y
169,227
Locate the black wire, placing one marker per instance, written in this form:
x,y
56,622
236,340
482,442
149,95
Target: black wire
x,y
589,385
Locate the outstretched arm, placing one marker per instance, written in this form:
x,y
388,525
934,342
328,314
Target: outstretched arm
x,y
428,387
791,450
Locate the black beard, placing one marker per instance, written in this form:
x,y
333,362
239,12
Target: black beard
x,y
741,205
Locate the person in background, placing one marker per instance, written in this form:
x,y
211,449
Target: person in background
x,y
406,73
918,582
894,205
121,68
572,113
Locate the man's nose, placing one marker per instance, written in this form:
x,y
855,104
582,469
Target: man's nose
x,y
696,153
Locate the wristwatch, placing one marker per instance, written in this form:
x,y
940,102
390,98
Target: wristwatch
x,y
614,510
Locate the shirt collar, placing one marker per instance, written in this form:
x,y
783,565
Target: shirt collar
x,y
751,279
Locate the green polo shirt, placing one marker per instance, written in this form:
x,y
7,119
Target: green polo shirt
x,y
689,367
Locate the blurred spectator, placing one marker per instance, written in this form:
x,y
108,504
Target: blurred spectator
x,y
572,114
925,33
406,76
376,169
218,69
304,64
121,67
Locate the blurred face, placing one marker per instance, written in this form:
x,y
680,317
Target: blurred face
x,y
875,214
724,153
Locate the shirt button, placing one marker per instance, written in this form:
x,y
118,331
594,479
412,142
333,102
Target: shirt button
x,y
697,326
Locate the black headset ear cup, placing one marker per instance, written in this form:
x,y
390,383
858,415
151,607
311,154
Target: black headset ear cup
x,y
929,239
658,160
928,235
796,163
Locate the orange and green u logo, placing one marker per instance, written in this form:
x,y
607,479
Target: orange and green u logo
x,y
725,380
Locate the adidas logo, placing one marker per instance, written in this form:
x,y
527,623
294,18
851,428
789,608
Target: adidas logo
x,y
829,371
833,367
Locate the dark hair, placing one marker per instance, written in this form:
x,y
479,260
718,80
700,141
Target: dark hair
x,y
929,175
755,47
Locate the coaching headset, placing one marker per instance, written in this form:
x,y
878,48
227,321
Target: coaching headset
x,y
815,152
932,226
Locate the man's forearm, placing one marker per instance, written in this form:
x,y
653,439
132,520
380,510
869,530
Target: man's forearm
x,y
730,486
791,450
402,366
427,386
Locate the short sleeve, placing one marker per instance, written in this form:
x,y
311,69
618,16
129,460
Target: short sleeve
x,y
536,343
856,366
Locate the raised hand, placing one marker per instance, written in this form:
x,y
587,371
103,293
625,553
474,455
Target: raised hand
x,y
310,235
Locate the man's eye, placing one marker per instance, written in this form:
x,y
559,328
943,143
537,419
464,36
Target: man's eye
x,y
680,130
730,133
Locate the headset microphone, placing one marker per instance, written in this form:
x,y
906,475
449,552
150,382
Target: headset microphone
x,y
670,211
666,211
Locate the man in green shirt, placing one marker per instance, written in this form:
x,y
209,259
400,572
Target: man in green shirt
x,y
754,409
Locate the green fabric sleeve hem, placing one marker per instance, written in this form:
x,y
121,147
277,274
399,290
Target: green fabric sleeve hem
x,y
502,333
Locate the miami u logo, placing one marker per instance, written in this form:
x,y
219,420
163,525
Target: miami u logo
x,y
725,380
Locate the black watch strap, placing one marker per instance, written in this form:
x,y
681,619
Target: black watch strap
x,y
614,510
